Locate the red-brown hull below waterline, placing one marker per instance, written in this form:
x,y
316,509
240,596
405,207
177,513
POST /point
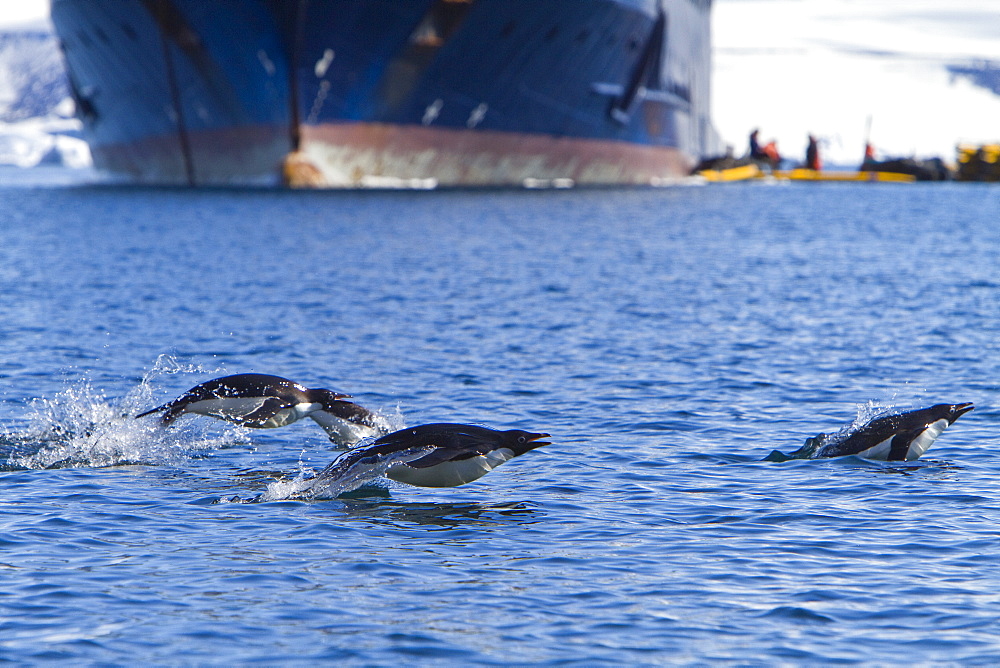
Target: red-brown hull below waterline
x,y
380,155
373,155
238,156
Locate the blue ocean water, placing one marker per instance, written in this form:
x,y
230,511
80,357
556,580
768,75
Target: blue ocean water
x,y
668,339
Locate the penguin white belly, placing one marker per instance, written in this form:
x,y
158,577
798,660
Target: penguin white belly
x,y
225,409
237,409
927,437
450,474
918,446
287,416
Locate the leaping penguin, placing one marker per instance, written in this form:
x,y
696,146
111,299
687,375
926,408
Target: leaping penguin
x,y
444,455
262,401
893,438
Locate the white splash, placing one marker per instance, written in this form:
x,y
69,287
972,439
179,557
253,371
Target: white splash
x,y
866,413
81,426
347,473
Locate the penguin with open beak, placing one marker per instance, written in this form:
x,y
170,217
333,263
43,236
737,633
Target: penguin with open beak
x,y
894,438
443,455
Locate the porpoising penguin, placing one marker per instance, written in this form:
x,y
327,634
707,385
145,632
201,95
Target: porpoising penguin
x,y
262,401
444,455
900,437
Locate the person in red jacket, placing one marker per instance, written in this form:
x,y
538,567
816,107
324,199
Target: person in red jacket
x,y
812,155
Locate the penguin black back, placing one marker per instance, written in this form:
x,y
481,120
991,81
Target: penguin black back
x,y
897,437
250,399
459,441
442,455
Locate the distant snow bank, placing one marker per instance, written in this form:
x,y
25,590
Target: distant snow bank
x,y
36,110
925,72
52,140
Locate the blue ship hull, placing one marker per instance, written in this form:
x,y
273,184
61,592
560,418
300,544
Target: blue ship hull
x,y
354,93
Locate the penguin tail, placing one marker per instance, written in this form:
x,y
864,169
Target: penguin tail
x,y
807,451
166,419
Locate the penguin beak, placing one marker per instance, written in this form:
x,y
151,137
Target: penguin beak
x,y
958,410
534,440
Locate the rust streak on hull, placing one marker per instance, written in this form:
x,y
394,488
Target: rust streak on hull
x,y
247,155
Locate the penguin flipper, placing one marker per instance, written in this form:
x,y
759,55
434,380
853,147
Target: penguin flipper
x,y
452,445
442,455
259,417
900,445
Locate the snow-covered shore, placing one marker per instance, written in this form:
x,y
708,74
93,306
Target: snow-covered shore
x,y
37,126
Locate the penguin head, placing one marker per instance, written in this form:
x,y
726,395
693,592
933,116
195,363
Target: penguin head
x,y
326,397
956,411
521,442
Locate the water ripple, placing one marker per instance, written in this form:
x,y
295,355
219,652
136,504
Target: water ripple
x,y
668,340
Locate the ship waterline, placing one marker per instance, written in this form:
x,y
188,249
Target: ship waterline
x,y
246,155
372,154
